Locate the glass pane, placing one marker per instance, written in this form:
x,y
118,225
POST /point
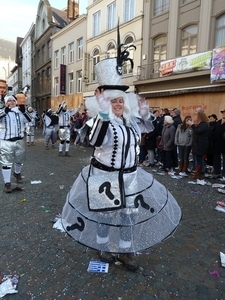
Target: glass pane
x,y
190,30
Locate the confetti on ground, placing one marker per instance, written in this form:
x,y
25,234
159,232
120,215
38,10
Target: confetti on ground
x,y
36,182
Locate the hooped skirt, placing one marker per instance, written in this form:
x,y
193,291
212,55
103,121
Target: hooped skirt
x,y
153,218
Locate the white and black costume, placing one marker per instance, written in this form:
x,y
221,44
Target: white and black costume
x,y
64,126
50,128
12,148
149,213
30,126
115,206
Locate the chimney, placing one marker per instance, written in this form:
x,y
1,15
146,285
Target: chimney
x,y
72,9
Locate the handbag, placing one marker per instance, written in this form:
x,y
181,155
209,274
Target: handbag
x,y
105,192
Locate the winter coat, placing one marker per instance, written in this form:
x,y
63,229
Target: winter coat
x,y
183,137
212,128
150,138
176,121
200,138
168,136
219,137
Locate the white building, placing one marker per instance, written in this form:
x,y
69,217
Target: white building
x,y
26,47
101,41
68,47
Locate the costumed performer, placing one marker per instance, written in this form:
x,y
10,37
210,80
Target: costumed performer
x,y
114,206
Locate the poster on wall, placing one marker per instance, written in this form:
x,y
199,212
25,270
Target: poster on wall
x,y
218,65
185,64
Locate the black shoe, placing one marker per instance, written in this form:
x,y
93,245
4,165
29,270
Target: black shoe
x,y
60,153
128,260
67,154
8,188
105,257
18,177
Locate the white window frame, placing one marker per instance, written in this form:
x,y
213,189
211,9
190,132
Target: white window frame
x,y
96,59
111,12
187,40
71,83
159,52
63,55
56,59
71,52
80,48
79,81
129,6
56,86
49,49
161,6
220,31
96,23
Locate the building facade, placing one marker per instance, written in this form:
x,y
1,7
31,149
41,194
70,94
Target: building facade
x,y
26,47
102,20
68,48
175,31
49,20
7,58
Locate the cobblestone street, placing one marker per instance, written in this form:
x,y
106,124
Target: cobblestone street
x,y
53,266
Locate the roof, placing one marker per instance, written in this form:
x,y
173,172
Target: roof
x,y
7,49
59,17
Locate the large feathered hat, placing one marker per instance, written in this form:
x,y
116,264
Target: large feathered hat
x,y
109,70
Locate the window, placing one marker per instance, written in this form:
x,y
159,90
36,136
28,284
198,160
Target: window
x,y
71,52
111,50
63,55
80,48
38,58
127,69
43,54
48,82
71,83
189,40
56,59
96,23
79,81
159,52
43,79
128,10
49,49
111,16
186,1
220,31
56,86
161,6
96,59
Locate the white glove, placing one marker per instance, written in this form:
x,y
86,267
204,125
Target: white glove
x,y
103,103
143,108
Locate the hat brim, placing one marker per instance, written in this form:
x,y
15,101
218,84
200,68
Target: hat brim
x,y
114,87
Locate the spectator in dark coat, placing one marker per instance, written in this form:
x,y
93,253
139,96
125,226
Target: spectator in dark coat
x,y
210,152
200,141
219,146
168,136
150,144
176,121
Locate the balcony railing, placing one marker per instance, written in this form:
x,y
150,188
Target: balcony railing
x,y
149,71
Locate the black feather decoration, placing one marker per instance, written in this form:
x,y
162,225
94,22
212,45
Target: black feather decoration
x,y
122,56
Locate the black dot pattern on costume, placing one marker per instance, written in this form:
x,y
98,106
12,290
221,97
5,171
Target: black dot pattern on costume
x,y
115,146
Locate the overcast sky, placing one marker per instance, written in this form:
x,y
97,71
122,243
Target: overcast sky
x,y
18,15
